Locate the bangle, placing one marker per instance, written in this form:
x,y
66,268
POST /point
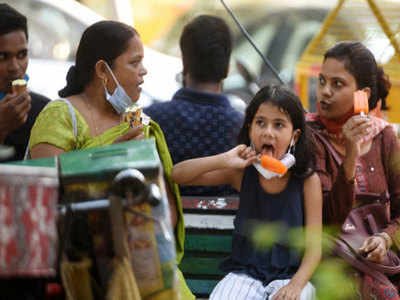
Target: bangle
x,y
352,180
386,237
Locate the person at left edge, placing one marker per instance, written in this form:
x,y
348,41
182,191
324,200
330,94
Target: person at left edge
x,y
17,115
17,112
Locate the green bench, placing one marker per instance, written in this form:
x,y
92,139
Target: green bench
x,y
209,225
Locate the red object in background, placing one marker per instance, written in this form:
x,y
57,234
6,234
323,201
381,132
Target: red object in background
x,y
54,291
28,235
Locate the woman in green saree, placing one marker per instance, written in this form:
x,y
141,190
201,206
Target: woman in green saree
x,y
105,80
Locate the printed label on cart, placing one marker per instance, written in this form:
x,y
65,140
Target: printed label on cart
x,y
144,253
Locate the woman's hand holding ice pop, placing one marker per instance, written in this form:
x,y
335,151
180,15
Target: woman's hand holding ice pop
x,y
358,126
354,131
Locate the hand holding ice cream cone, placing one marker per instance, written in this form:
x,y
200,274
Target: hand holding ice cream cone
x,y
19,86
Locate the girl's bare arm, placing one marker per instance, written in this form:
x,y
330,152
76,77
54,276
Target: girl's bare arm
x,y
224,168
313,231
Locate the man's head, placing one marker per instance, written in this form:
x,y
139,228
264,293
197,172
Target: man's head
x,y
13,46
206,45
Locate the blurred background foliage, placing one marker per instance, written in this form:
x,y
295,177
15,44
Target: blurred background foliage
x,y
333,279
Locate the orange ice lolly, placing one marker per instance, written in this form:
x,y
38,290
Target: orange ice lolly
x,y
273,165
361,103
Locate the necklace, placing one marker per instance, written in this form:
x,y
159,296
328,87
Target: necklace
x,y
92,119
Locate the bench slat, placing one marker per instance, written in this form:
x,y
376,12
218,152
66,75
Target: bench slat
x,y
209,225
203,221
210,203
200,266
208,243
201,286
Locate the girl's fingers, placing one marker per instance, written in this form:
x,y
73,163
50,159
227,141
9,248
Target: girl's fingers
x,y
251,160
246,152
250,153
239,149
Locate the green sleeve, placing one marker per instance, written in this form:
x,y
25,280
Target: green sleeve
x,y
54,126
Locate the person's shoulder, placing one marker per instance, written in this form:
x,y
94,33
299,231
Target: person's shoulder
x,y
385,135
234,118
56,106
235,113
39,99
312,180
313,129
314,125
389,131
388,137
232,112
158,107
161,112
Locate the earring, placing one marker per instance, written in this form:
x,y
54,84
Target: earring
x,y
104,81
292,149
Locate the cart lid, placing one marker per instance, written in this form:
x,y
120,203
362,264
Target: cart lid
x,y
104,162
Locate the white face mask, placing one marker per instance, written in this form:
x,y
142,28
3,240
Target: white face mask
x,y
119,99
288,160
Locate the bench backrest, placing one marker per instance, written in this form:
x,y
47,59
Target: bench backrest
x,y
209,225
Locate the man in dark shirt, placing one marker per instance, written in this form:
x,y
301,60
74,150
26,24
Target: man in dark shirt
x,y
17,115
199,120
17,112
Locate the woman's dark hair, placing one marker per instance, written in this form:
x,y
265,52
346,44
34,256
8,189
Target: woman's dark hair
x,y
104,40
361,63
289,104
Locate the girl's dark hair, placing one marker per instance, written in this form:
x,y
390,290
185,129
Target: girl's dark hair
x,y
104,40
361,63
290,104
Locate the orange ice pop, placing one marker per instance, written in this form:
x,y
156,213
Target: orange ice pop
x,y
361,103
273,165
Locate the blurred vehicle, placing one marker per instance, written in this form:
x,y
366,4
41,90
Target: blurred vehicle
x,y
280,29
55,28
